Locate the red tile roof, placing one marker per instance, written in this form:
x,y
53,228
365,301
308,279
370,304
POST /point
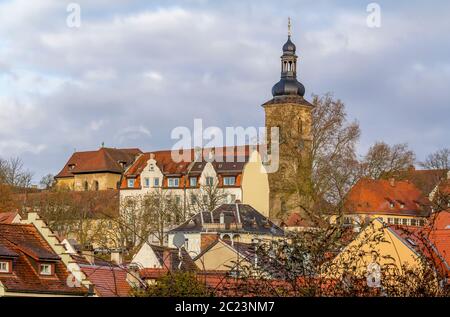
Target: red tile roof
x,y
8,217
109,281
102,160
27,248
169,167
376,196
433,240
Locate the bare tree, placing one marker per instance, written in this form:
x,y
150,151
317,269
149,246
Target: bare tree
x,y
12,172
384,161
47,181
149,216
440,160
207,198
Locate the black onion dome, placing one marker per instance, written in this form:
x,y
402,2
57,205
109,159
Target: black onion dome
x,y
289,47
288,87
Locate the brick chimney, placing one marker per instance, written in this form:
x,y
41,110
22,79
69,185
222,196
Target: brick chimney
x,y
88,253
167,259
392,182
206,239
117,256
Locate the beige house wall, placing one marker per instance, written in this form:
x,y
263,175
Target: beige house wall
x,y
375,244
255,185
220,257
105,180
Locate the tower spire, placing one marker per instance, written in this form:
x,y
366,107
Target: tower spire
x,y
289,27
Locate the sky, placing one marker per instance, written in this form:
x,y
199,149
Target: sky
x,y
135,70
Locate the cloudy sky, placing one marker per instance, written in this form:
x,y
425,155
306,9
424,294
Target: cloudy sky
x,y
134,70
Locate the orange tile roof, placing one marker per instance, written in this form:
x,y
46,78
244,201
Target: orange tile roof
x,y
433,240
26,248
169,167
109,281
8,217
376,197
102,160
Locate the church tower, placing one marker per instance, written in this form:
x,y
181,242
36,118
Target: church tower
x,y
291,114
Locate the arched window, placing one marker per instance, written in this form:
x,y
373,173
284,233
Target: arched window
x,y
86,186
290,66
226,237
96,186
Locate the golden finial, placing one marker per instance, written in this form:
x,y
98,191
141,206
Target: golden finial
x,y
289,27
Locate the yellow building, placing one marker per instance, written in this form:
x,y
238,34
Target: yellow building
x,y
95,170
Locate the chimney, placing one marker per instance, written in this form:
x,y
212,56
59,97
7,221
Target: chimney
x,y
206,239
88,253
392,182
117,256
167,259
198,154
133,277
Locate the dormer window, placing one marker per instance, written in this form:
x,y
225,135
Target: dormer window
x,y
122,164
392,205
71,167
131,183
46,269
229,181
5,266
174,182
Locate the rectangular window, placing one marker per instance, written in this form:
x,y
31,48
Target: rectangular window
x,y
147,182
413,222
209,181
156,182
193,181
421,222
396,221
174,182
405,222
390,221
131,183
229,181
5,267
45,269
